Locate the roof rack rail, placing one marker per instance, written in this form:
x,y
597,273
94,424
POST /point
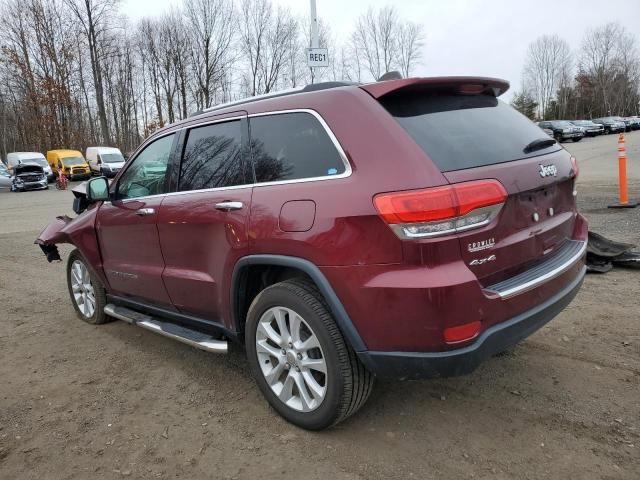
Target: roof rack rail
x,y
309,88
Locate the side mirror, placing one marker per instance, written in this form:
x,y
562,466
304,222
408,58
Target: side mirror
x,y
98,189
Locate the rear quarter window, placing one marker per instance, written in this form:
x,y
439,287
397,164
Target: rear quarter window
x,y
465,131
291,146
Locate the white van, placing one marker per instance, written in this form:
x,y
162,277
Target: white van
x,y
105,161
19,158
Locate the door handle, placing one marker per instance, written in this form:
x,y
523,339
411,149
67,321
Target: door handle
x,y
143,212
228,206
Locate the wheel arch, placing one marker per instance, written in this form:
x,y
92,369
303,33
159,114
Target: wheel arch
x,y
287,268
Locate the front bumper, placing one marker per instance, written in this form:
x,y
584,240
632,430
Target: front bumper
x,y
39,185
494,340
78,176
109,173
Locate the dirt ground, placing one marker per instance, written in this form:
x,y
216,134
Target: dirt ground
x,y
85,402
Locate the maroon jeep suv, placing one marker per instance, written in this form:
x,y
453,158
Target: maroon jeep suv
x,y
407,229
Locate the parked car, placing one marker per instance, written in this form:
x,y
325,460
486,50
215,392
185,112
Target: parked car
x,y
442,238
5,177
70,163
17,158
589,128
28,176
563,130
610,124
633,123
105,161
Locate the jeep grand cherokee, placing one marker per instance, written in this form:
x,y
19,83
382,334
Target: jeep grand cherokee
x,y
408,228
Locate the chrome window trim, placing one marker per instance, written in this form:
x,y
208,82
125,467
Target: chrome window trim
x,y
213,121
343,156
347,173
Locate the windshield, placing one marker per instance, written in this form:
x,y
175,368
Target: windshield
x,y
37,160
73,161
3,171
582,122
465,131
111,158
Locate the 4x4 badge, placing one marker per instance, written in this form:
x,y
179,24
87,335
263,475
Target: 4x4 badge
x,y
481,245
548,170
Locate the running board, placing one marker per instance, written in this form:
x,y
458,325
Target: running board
x,y
171,330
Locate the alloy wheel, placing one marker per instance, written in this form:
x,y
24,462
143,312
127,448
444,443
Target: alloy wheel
x,y
291,359
83,292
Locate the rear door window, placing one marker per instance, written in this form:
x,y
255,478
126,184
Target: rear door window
x,y
465,131
291,146
213,157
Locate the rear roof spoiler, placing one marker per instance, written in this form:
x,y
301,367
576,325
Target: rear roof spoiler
x,y
470,85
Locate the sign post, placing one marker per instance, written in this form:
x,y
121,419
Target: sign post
x,y
316,56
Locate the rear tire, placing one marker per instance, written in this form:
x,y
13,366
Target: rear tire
x,y
310,399
88,296
577,139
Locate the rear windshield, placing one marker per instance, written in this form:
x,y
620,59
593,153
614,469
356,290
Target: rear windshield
x,y
465,131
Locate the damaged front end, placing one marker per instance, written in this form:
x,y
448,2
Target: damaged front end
x,y
52,234
78,231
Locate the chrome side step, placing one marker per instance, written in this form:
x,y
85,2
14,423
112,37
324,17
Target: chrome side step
x,y
171,330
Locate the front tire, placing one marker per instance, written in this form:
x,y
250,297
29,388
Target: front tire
x,y
299,358
86,291
577,139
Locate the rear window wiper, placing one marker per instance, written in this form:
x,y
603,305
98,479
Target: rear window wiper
x,y
538,144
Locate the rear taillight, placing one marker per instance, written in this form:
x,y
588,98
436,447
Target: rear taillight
x,y
574,167
441,210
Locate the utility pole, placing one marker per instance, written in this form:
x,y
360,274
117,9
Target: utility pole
x,y
314,32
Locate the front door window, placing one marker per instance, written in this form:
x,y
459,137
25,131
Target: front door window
x,y
147,174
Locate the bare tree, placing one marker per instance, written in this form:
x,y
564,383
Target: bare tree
x,y
609,57
211,26
546,65
254,21
266,39
94,17
410,44
375,37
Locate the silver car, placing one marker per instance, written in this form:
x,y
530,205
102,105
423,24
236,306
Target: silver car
x,y
5,178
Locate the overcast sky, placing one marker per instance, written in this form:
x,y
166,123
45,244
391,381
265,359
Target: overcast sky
x,y
465,37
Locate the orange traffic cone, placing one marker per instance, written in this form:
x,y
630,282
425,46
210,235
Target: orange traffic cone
x,y
622,177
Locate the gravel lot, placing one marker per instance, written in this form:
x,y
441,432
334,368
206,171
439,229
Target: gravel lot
x,y
79,402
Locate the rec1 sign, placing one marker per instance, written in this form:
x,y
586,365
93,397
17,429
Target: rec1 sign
x,y
317,57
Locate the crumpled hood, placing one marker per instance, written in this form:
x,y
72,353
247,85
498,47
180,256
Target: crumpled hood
x,y
27,168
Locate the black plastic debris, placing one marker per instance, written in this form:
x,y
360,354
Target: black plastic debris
x,y
603,254
628,259
597,264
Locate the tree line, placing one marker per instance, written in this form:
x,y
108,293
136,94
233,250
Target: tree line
x,y
601,78
75,73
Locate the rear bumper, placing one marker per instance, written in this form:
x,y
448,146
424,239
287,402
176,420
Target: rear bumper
x,y
492,341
